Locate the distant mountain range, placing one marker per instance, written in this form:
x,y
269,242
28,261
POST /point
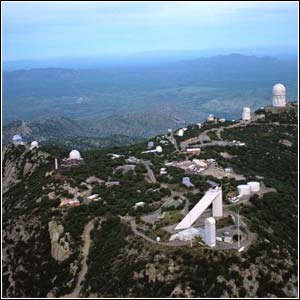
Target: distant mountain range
x,y
90,134
189,89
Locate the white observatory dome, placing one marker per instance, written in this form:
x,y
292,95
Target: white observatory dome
x,y
17,138
246,116
180,132
74,154
279,95
279,89
34,144
158,149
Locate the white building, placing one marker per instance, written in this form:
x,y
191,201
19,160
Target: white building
x,y
186,235
254,186
34,144
139,204
158,149
180,132
279,95
187,182
210,118
200,163
246,116
163,171
228,170
75,154
94,197
210,232
17,140
243,189
212,196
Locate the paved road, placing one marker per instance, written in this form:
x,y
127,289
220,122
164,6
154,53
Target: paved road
x,y
203,137
145,237
149,171
154,216
86,238
173,140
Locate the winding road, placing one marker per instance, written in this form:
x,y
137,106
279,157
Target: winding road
x,y
149,171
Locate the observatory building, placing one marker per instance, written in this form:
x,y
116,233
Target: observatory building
x,y
279,95
212,196
246,114
33,145
210,118
210,232
158,149
75,154
17,140
180,132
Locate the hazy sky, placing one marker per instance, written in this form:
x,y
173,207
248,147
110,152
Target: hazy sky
x,y
37,30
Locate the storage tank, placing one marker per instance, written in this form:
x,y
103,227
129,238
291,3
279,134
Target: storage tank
x,y
254,186
244,189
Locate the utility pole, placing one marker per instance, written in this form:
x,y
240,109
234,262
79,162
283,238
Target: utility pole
x,y
239,229
190,227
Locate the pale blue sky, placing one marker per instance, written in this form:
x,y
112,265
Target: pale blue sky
x,y
39,30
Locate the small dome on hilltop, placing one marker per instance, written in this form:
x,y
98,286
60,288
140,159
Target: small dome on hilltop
x,y
17,138
34,144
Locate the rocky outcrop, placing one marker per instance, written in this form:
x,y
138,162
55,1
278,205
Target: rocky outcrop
x,y
60,248
19,162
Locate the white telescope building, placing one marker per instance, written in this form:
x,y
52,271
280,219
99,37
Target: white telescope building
x,y
17,140
34,144
212,196
158,149
75,154
246,114
279,95
180,132
210,232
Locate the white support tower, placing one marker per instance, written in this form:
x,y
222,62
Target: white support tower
x,y
279,95
210,232
56,163
246,114
212,196
239,243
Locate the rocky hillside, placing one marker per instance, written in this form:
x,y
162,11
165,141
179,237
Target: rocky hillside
x,y
48,248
